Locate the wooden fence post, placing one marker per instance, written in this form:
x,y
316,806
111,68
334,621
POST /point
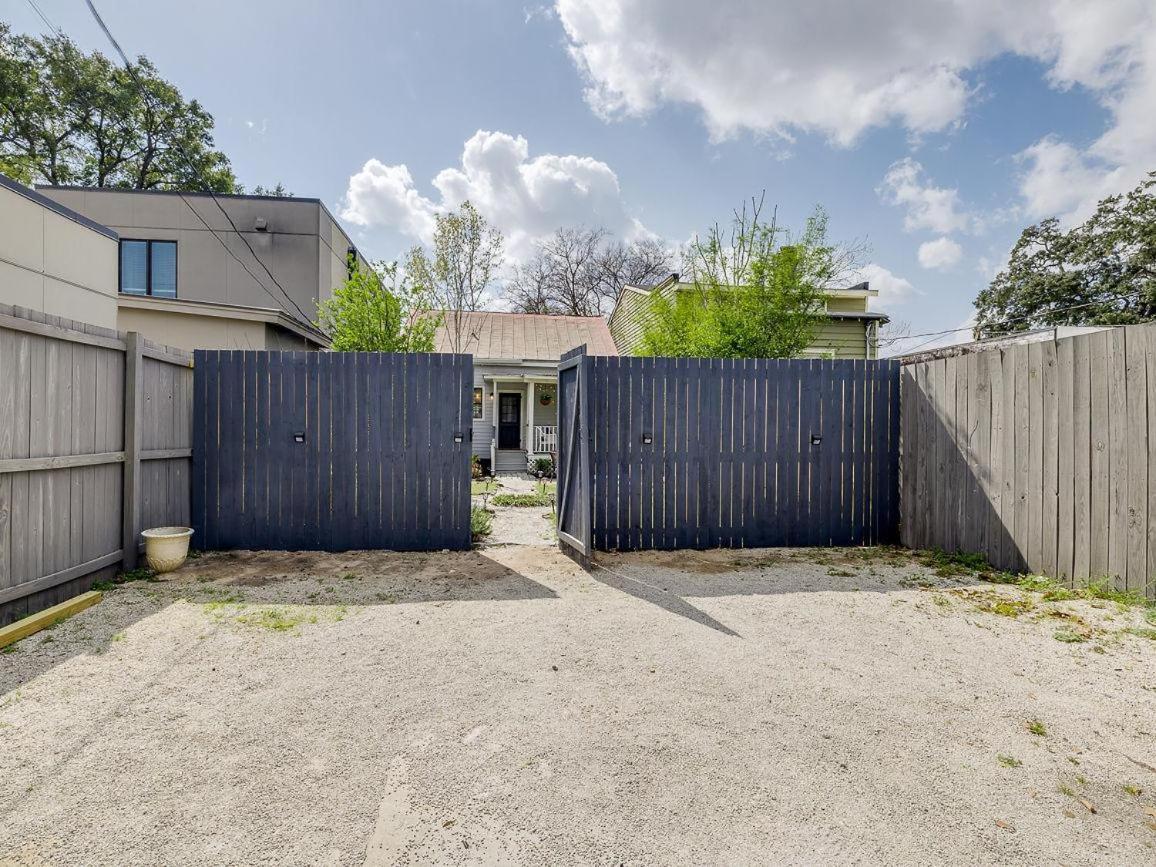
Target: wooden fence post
x,y
133,396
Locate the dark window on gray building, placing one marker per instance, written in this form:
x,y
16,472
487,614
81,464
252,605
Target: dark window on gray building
x,y
148,268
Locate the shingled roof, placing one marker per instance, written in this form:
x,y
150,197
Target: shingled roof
x,y
524,336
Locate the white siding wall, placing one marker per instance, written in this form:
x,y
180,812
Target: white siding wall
x,y
484,426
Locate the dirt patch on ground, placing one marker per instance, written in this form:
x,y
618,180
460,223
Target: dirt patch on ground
x,y
503,706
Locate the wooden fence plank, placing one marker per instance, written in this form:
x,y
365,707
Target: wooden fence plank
x,y
1049,420
1117,458
1099,429
1065,460
1136,392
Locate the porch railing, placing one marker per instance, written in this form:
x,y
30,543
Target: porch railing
x,y
545,439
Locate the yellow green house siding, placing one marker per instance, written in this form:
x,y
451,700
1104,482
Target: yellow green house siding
x,y
843,335
843,338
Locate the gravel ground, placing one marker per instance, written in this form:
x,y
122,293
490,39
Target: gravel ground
x,y
519,525
502,706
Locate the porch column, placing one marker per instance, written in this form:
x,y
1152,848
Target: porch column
x,y
494,425
530,415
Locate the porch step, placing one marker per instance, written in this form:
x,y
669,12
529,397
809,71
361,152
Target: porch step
x,y
510,461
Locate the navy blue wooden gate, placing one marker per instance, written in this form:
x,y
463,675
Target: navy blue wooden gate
x,y
331,451
703,453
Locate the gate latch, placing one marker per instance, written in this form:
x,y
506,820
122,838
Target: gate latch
x,y
459,437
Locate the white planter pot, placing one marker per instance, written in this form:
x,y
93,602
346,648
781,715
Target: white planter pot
x,y
166,547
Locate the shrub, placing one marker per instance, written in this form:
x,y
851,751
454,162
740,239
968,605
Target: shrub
x,y
475,467
535,499
481,523
542,467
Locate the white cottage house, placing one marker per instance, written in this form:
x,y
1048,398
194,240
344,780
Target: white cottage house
x,y
516,378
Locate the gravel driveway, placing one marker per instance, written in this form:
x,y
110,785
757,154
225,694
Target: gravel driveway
x,y
503,706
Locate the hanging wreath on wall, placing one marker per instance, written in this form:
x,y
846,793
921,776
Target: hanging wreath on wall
x,y
547,397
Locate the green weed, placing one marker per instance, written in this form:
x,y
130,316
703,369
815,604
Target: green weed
x,y
481,523
1037,728
1134,791
1067,636
142,574
949,563
534,499
277,619
1009,761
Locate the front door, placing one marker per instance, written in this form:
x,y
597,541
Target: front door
x,y
509,420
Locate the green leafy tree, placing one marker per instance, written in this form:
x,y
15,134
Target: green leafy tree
x,y
277,192
378,311
1101,272
67,117
456,274
753,293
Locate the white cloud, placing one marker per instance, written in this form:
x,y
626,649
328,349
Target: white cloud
x,y
381,195
942,253
526,197
936,209
1109,48
893,289
838,69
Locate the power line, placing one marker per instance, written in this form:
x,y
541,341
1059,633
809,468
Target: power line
x,y
44,18
933,334
192,166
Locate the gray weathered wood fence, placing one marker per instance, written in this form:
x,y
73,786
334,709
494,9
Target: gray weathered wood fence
x,y
1042,456
95,440
700,453
332,451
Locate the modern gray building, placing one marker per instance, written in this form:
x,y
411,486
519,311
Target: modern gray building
x,y
201,271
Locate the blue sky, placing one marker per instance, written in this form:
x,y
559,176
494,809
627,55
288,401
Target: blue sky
x,y
948,125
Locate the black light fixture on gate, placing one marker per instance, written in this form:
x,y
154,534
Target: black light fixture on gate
x,y
816,439
299,437
647,439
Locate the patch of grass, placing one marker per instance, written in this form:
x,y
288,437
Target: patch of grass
x,y
1065,789
1142,632
1037,728
350,576
919,581
941,600
10,648
949,563
478,487
840,573
1105,590
1008,761
534,499
481,523
277,619
1067,636
142,574
1006,606
1134,791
